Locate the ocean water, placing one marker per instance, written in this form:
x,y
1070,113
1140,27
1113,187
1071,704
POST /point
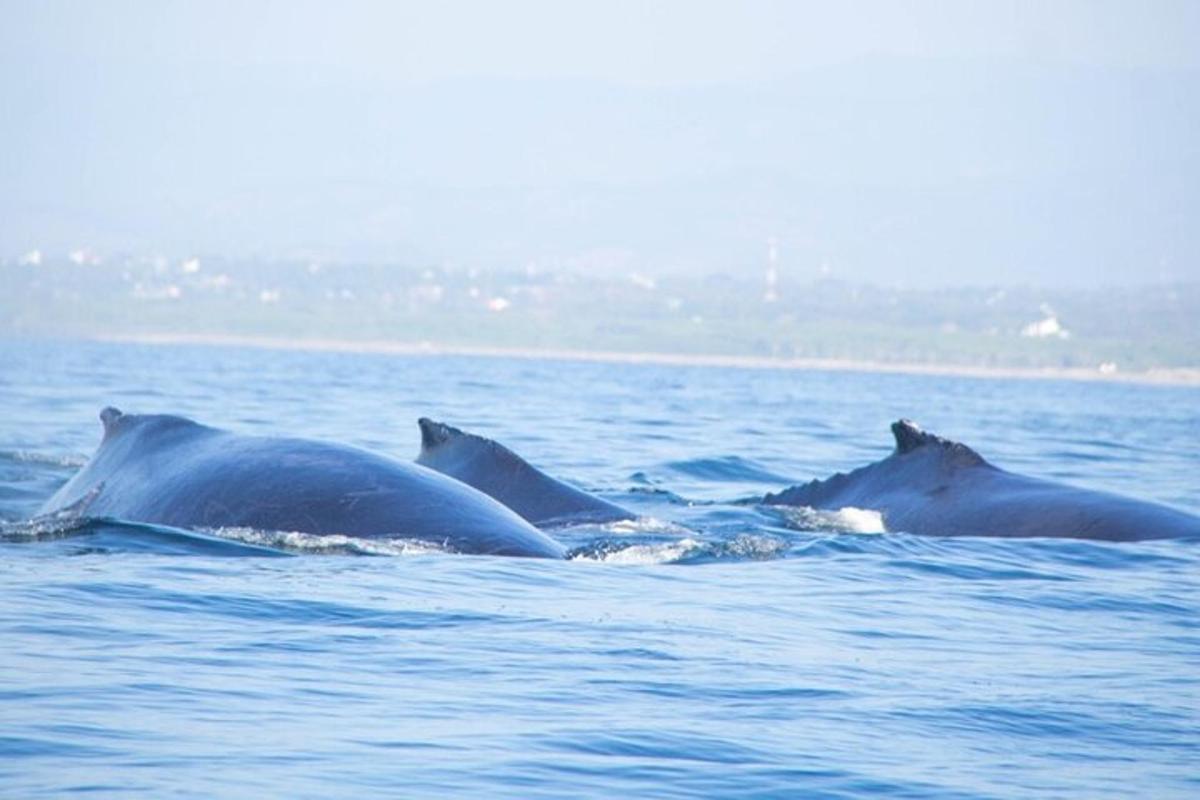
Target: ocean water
x,y
714,649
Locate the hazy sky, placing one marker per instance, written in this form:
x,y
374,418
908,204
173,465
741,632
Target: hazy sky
x,y
928,143
677,43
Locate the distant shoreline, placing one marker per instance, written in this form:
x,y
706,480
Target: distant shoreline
x,y
1178,376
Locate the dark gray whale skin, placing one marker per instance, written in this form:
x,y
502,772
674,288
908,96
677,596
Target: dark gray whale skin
x,y
173,471
497,471
937,487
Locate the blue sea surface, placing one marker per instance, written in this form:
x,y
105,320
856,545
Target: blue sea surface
x,y
716,648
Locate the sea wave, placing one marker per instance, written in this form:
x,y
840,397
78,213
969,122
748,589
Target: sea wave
x,y
725,469
110,535
44,459
332,544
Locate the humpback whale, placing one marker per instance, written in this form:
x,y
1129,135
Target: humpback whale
x,y
930,485
497,471
171,470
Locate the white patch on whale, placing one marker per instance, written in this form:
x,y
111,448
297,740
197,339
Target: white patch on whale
x,y
849,519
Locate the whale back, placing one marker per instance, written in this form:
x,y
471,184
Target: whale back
x,y
129,452
937,486
497,471
920,463
170,470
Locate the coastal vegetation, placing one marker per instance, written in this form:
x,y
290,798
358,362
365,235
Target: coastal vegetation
x,y
729,314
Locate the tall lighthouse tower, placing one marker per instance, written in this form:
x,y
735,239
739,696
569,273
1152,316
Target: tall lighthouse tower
x,y
770,295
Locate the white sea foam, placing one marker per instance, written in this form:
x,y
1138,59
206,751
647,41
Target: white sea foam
x,y
645,554
44,528
29,457
754,547
331,544
645,525
743,547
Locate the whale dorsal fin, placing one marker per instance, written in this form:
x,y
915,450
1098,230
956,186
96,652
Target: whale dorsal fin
x,y
110,416
909,437
438,435
435,434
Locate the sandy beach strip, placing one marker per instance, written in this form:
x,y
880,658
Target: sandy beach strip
x,y
1172,376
